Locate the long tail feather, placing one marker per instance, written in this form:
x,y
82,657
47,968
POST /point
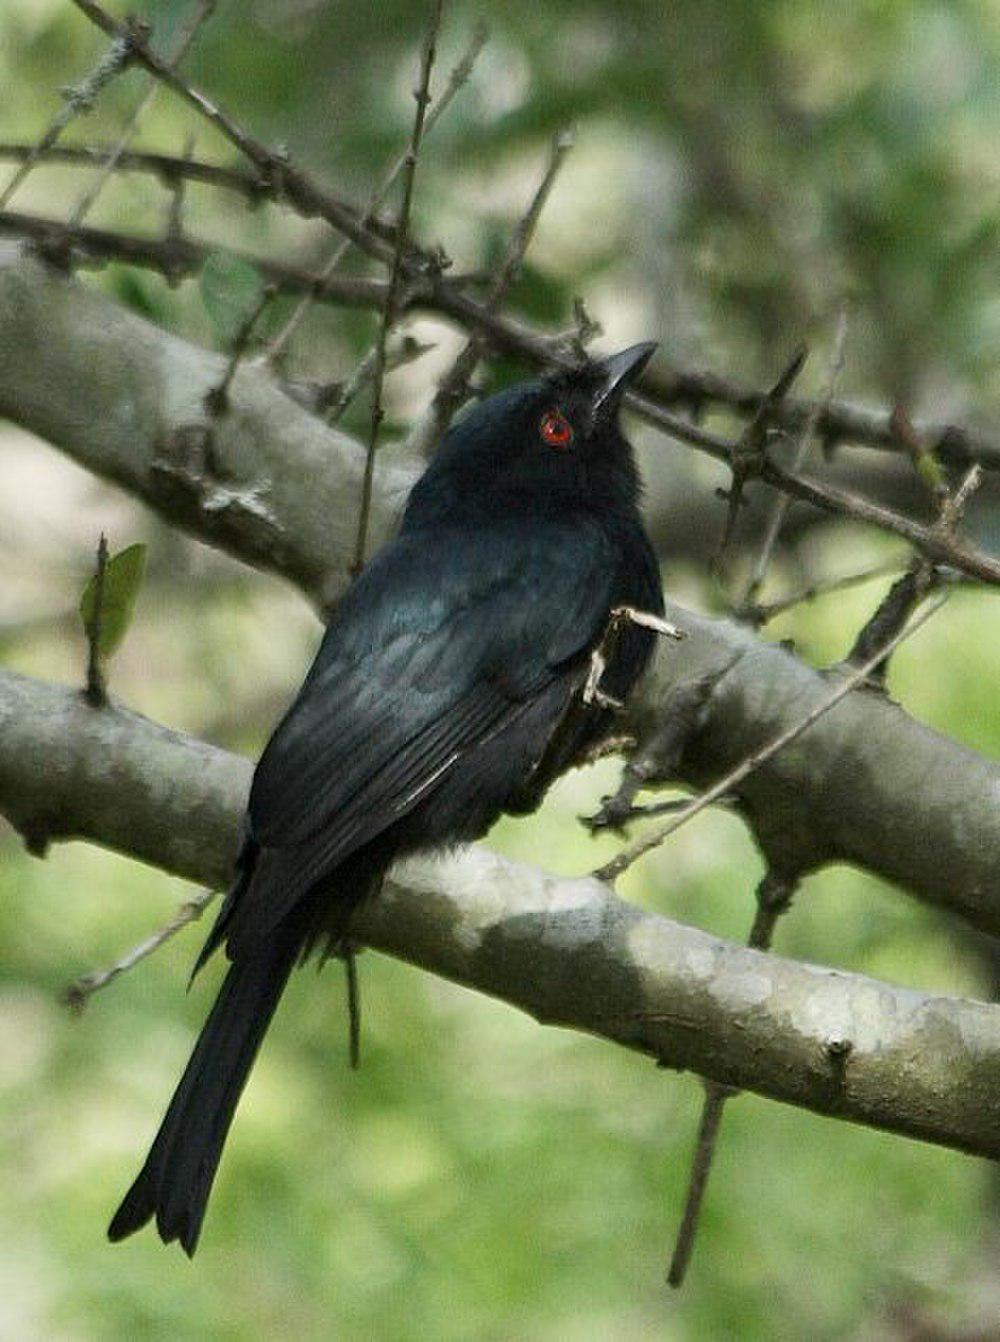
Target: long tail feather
x,y
175,1181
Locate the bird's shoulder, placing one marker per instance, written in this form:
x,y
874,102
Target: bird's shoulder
x,y
471,584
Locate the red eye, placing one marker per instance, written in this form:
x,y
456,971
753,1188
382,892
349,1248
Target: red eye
x,y
555,429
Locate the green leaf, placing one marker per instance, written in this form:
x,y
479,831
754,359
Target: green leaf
x,y
123,576
230,290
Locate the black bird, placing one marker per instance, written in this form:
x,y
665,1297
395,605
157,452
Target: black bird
x,y
449,687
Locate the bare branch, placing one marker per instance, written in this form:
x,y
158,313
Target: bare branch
x,y
774,896
203,10
76,101
422,96
177,256
453,387
565,950
782,503
769,610
96,691
838,422
747,456
729,783
217,399
456,80
78,994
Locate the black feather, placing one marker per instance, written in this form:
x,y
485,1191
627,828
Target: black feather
x,y
446,690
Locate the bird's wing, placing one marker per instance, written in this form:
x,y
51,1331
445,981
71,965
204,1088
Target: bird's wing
x,y
442,642
429,651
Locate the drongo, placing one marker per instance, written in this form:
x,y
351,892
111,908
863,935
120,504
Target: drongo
x,y
450,686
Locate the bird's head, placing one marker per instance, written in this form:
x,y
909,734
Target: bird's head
x,y
539,444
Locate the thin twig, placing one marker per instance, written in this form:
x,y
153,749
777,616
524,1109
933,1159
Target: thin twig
x,y
203,11
336,397
178,256
217,398
409,173
453,387
456,79
782,502
701,1164
922,576
625,815
937,546
747,455
353,1007
840,422
774,896
283,181
761,613
95,691
78,994
729,782
76,101
891,614
167,167
175,210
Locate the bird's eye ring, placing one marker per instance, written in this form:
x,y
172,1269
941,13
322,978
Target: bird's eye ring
x,y
555,429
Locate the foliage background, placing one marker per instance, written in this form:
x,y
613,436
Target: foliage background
x,y
741,170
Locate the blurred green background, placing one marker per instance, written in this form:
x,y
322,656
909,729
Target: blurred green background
x,y
741,171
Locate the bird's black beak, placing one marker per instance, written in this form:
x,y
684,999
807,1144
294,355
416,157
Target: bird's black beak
x,y
614,375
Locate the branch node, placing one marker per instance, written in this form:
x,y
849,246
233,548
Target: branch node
x,y
838,1049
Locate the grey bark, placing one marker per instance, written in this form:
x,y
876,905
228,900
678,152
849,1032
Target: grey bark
x,y
865,784
266,481
565,950
271,484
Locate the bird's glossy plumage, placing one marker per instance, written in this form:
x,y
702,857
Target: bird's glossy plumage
x,y
446,690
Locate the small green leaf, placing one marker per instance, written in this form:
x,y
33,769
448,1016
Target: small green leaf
x,y
122,579
230,290
931,472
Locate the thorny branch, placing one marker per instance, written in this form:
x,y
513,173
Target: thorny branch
x,y
764,612
203,11
838,423
655,836
453,387
456,80
747,455
409,171
296,189
176,257
782,502
75,102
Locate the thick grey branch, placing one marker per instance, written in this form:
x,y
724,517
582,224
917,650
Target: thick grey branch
x,y
566,951
273,485
265,480
865,784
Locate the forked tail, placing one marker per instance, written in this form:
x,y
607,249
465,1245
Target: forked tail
x,y
175,1181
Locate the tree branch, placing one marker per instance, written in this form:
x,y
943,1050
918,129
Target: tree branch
x,y
277,488
836,423
175,255
564,950
268,482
